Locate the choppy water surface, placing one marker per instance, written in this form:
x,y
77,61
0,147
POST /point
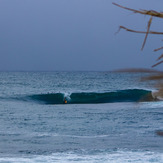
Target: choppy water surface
x,y
113,119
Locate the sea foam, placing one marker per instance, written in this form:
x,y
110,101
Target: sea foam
x,y
113,157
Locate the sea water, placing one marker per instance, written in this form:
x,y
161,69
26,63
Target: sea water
x,y
109,117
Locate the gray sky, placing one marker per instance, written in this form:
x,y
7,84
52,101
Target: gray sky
x,y
53,35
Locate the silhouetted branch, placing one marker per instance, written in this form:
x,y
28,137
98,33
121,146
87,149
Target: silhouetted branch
x,y
149,24
142,32
145,12
152,13
161,56
157,64
158,49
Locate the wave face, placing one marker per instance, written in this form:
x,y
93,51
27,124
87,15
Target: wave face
x,y
129,95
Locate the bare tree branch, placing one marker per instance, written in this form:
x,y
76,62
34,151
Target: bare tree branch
x,y
152,13
145,39
161,56
158,49
157,64
145,12
159,76
143,32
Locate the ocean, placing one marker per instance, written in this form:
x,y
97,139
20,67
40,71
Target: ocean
x,y
85,117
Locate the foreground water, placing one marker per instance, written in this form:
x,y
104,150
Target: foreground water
x,y
109,117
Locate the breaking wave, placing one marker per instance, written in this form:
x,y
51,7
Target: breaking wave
x,y
128,95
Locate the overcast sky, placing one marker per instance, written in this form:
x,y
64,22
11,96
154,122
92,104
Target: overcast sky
x,y
75,35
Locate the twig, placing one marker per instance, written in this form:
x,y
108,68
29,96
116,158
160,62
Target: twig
x,y
157,64
153,77
142,32
161,56
145,39
145,12
158,49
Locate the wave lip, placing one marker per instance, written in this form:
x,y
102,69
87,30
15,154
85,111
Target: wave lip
x,y
128,95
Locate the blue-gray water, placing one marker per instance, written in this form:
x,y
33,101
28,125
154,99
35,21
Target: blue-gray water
x,y
35,127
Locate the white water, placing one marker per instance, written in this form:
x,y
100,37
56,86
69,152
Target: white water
x,y
113,157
